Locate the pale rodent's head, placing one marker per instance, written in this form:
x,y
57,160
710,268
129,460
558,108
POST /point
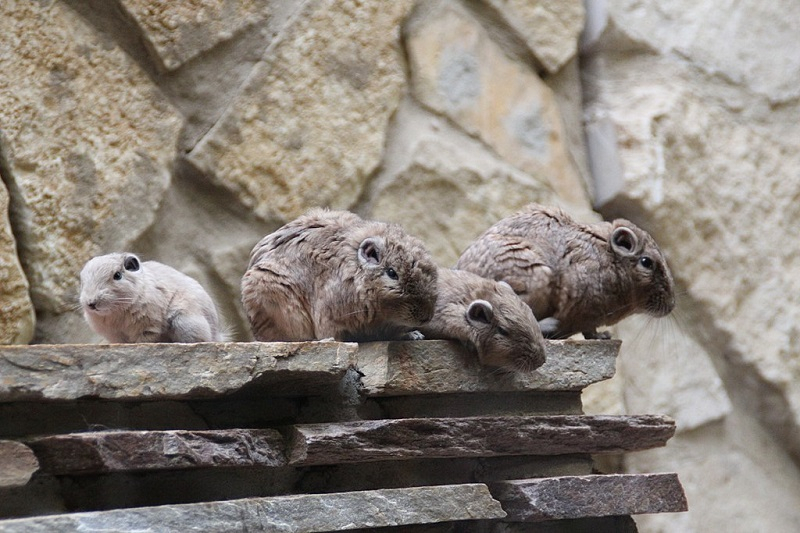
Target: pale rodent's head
x,y
109,283
504,331
650,277
398,276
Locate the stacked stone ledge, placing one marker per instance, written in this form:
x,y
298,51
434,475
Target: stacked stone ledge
x,y
272,436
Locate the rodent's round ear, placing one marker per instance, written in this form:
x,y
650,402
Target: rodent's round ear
x,y
480,311
131,263
624,241
370,251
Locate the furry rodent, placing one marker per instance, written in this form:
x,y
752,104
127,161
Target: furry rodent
x,y
575,277
332,274
488,318
127,300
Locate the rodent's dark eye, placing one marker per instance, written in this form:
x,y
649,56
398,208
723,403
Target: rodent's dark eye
x,y
391,273
502,331
646,262
117,276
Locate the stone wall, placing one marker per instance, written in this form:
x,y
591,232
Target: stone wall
x,y
186,131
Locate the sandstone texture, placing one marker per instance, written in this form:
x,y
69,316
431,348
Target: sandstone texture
x,y
87,140
305,133
459,72
179,31
16,309
693,133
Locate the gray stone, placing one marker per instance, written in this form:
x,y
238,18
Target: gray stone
x,y
405,438
459,72
87,139
569,497
429,367
17,316
17,464
170,371
132,451
180,31
302,132
297,514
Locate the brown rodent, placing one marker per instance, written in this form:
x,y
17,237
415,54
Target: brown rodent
x,y
126,300
488,318
331,274
575,277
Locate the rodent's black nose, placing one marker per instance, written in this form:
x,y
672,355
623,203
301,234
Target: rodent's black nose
x,y
92,306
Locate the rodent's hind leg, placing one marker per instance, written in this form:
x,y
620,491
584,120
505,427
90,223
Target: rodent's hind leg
x,y
414,335
275,307
550,327
189,328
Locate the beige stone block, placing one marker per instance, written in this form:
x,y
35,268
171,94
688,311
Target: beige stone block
x,y
88,140
180,31
550,28
459,72
309,126
446,188
17,464
17,316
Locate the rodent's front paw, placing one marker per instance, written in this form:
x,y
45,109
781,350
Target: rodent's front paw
x,y
412,336
549,326
597,335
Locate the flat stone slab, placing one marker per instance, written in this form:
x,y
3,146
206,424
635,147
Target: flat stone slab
x,y
297,514
431,367
569,497
407,438
168,371
17,464
114,451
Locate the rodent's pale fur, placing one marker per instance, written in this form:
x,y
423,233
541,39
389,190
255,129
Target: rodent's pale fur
x,y
488,318
330,274
575,277
149,302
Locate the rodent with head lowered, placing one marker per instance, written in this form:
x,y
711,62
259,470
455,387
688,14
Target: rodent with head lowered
x,y
332,274
575,277
489,319
127,300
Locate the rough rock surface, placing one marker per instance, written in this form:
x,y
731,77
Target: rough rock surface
x,y
459,72
17,316
693,127
131,451
536,500
437,367
306,133
299,514
550,28
19,464
179,31
86,138
166,371
375,440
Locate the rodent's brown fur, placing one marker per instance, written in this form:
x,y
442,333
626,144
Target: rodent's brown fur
x,y
126,300
488,318
330,274
575,277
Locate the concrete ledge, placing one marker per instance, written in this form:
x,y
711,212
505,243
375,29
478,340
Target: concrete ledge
x,y
298,514
569,497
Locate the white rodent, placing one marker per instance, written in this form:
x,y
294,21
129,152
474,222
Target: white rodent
x,y
127,300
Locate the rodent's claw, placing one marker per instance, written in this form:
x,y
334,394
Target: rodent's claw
x,y
597,335
414,335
